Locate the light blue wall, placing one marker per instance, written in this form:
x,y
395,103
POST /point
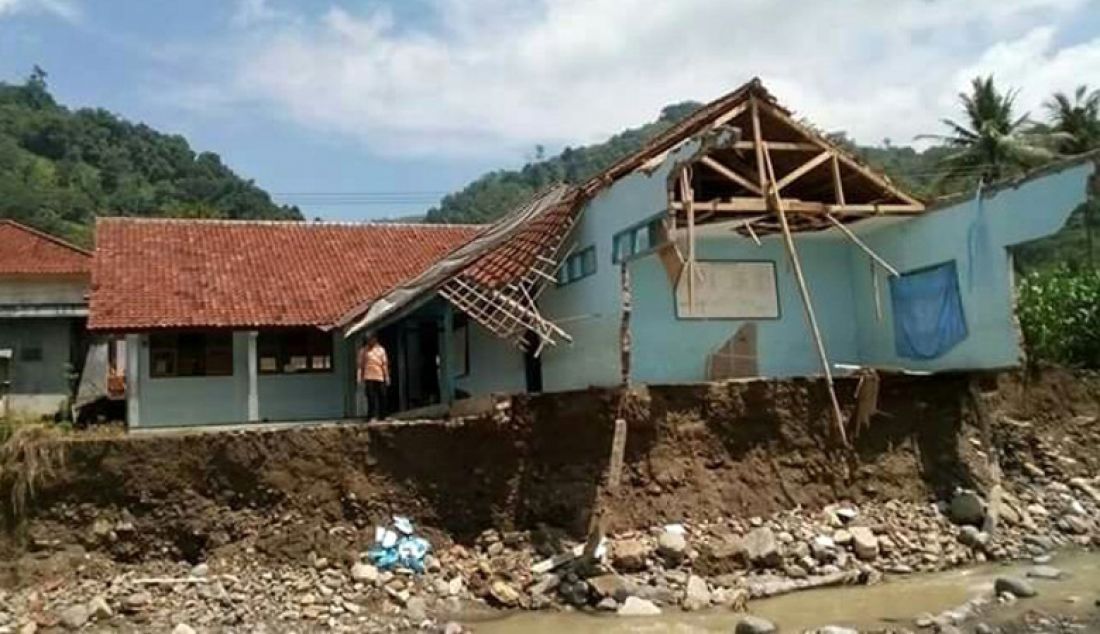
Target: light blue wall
x,y
670,350
172,401
1006,217
496,366
307,396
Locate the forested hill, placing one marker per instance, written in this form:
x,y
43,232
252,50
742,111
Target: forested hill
x,y
498,192
60,168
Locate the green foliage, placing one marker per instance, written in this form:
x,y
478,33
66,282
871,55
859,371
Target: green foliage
x,y
1059,311
497,193
60,168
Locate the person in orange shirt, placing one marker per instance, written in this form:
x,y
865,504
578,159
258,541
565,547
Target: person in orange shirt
x,y
374,373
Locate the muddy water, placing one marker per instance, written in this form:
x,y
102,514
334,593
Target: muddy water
x,y
897,601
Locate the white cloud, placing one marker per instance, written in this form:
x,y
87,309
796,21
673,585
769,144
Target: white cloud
x,y
493,77
250,13
64,9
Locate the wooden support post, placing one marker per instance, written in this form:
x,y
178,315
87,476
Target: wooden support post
x,y
807,304
687,196
859,243
752,233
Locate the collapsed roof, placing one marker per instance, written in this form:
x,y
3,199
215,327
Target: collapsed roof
x,y
752,156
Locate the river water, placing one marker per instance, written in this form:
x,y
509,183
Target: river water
x,y
896,601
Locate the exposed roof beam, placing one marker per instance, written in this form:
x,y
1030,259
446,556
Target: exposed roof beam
x,y
730,174
801,170
757,205
783,146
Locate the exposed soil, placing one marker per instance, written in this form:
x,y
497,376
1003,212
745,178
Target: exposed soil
x,y
693,452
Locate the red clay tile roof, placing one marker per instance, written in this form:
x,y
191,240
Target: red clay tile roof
x,y
26,251
151,274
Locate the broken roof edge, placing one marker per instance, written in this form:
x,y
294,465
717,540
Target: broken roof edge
x,y
1013,182
390,304
46,236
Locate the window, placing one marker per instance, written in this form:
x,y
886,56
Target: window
x,y
191,354
30,353
577,266
639,239
294,351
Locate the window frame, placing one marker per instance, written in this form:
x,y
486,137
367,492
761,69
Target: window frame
x,y
317,345
578,258
201,362
651,228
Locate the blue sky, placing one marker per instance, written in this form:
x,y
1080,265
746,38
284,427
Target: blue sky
x,y
424,95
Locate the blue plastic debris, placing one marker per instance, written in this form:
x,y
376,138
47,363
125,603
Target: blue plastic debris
x,y
393,550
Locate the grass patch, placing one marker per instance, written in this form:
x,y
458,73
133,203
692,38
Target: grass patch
x,y
30,454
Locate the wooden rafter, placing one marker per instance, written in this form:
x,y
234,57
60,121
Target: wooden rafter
x,y
730,174
801,170
747,204
781,116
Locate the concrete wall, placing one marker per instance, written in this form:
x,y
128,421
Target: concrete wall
x,y
495,365
38,388
178,401
975,234
307,396
667,349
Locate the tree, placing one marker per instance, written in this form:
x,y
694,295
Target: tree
x,y
992,143
1078,120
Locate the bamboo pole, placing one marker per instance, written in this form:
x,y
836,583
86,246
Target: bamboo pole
x,y
859,243
688,198
807,304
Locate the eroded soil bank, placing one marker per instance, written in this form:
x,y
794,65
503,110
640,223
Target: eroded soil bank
x,y
281,517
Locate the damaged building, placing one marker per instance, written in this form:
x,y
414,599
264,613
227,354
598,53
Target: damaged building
x,y
738,244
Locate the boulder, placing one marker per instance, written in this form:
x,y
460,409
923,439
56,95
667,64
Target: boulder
x,y
842,537
612,586
696,594
1049,573
755,625
967,507
722,556
635,606
864,543
1015,586
504,594
629,555
364,572
672,547
75,616
761,548
98,608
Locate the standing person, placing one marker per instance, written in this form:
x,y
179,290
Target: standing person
x,y
374,374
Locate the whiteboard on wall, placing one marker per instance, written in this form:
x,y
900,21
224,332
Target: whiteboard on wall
x,y
729,290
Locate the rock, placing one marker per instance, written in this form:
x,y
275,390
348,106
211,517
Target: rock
x,y
607,604
183,628
504,594
98,608
137,602
75,616
969,535
455,586
842,537
755,625
453,628
364,572
1075,525
1015,586
761,548
200,570
823,549
846,513
416,609
794,571
543,586
612,586
722,556
635,606
696,594
731,598
864,543
671,547
629,555
574,592
967,507
1086,487
835,629
1045,572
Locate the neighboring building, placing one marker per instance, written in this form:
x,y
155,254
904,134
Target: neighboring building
x,y
43,309
544,287
232,321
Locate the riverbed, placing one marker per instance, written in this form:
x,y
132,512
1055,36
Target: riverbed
x,y
895,602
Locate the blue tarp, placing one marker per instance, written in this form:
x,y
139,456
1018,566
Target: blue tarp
x,y
928,312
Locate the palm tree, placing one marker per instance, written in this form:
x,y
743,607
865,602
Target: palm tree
x,y
1079,121
992,143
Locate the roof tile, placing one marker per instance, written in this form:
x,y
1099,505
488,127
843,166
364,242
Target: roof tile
x,y
27,251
